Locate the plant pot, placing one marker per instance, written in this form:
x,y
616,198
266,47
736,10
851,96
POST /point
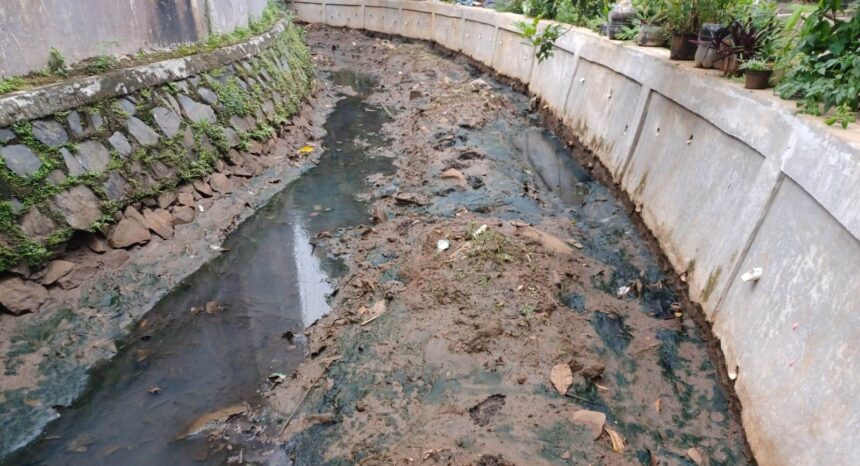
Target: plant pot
x,y
614,30
757,79
651,35
710,40
730,65
682,47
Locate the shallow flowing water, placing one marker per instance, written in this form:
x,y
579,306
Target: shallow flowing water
x,y
184,361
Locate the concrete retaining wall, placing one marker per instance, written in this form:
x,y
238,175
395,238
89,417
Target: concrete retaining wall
x,y
727,180
81,29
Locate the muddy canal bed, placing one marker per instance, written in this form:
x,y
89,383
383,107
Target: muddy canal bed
x,y
494,261
448,286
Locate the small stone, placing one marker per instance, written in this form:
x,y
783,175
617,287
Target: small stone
x,y
78,276
196,111
72,164
186,199
232,137
49,132
162,171
21,160
157,224
246,124
269,109
37,225
16,206
183,214
96,121
6,135
414,94
164,214
127,106
221,166
255,148
97,244
93,156
188,138
75,125
79,207
208,96
142,133
120,143
56,177
203,188
168,121
220,183
56,270
456,176
128,232
115,258
166,198
18,296
116,187
133,214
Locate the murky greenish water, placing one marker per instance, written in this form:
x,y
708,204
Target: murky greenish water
x,y
270,282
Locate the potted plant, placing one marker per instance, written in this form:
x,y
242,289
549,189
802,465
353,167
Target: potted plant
x,y
681,20
757,73
651,32
753,33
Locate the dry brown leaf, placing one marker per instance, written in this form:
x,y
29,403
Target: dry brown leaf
x,y
594,420
695,455
561,377
617,441
657,404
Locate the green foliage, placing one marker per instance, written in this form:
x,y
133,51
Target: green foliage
x,y
542,40
576,12
105,60
825,65
56,62
755,64
11,84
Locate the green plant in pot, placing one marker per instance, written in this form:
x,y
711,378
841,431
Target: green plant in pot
x,y
681,20
757,72
684,18
651,32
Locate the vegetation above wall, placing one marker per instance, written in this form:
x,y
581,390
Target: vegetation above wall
x,y
811,52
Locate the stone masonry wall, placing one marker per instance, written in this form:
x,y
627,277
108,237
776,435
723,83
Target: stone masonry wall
x,y
74,174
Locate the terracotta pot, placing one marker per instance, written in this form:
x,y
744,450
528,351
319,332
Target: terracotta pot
x,y
757,79
683,47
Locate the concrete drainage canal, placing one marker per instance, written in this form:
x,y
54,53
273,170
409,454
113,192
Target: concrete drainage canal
x,y
448,286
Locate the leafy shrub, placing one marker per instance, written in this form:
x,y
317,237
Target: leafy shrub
x,y
825,64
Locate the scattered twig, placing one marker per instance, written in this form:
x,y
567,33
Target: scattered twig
x,y
304,397
387,111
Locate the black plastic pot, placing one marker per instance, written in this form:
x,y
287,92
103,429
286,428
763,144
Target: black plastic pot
x,y
757,79
683,47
